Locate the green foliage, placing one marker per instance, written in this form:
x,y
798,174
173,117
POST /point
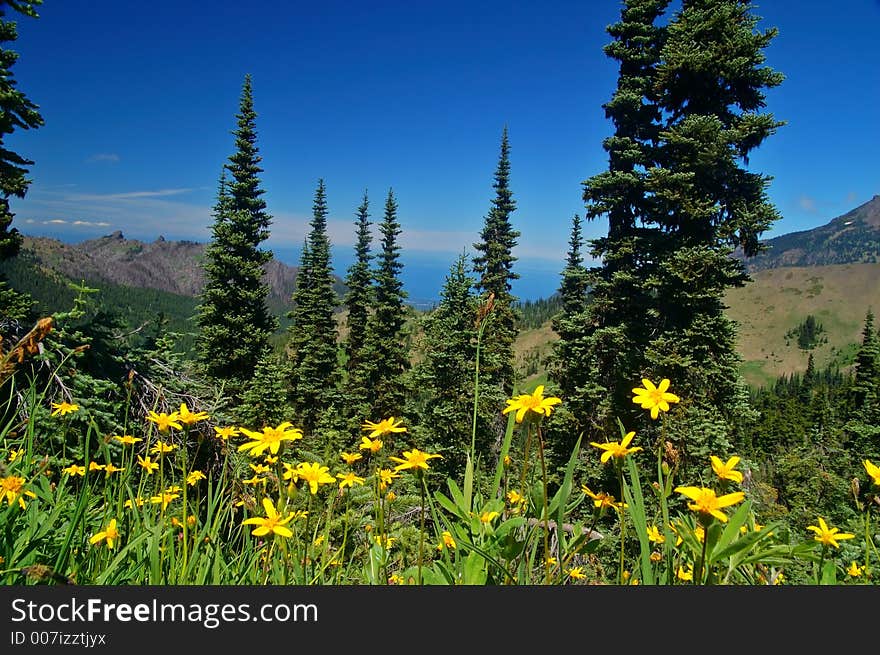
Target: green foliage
x,y
386,357
312,344
494,269
234,321
808,333
17,111
358,301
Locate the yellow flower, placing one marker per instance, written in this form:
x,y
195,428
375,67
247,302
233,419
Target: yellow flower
x,y
373,445
349,480
533,402
386,542
147,464
873,471
655,535
274,523
551,561
706,502
617,449
413,459
700,533
351,458
656,399
602,499
74,470
127,439
855,570
190,521
173,489
515,498
386,477
656,557
447,541
164,499
64,408
315,475
11,487
193,477
164,421
270,460
188,418
109,534
383,427
390,496
161,447
137,501
577,573
488,517
110,468
225,433
16,454
725,470
94,466
828,536
260,469
686,574
255,480
270,438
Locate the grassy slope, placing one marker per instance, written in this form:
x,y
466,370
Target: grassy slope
x,y
779,299
774,303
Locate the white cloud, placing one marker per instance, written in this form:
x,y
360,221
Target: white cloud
x,y
808,204
130,195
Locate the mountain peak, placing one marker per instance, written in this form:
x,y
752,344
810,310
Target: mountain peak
x,y
851,238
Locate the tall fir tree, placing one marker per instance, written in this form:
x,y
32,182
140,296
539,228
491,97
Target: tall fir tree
x,y
234,321
17,111
711,85
313,343
386,355
358,300
573,295
565,364
444,377
603,358
866,373
494,269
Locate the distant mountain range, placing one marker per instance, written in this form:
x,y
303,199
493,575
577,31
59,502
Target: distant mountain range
x,y
172,266
851,238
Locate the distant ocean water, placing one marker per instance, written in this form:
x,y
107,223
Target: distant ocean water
x,y
424,274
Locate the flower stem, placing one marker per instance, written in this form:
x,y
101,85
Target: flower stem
x,y
422,525
544,509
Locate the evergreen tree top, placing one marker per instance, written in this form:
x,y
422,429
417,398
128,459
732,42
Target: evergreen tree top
x,y
244,163
494,264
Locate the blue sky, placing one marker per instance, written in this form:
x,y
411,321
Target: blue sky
x,y
139,100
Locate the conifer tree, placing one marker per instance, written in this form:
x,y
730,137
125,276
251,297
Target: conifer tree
x,y
264,402
444,378
566,365
711,83
679,200
866,372
234,320
573,298
606,342
358,301
494,268
313,343
17,111
386,356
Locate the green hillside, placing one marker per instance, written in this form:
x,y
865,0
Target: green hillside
x,y
139,308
